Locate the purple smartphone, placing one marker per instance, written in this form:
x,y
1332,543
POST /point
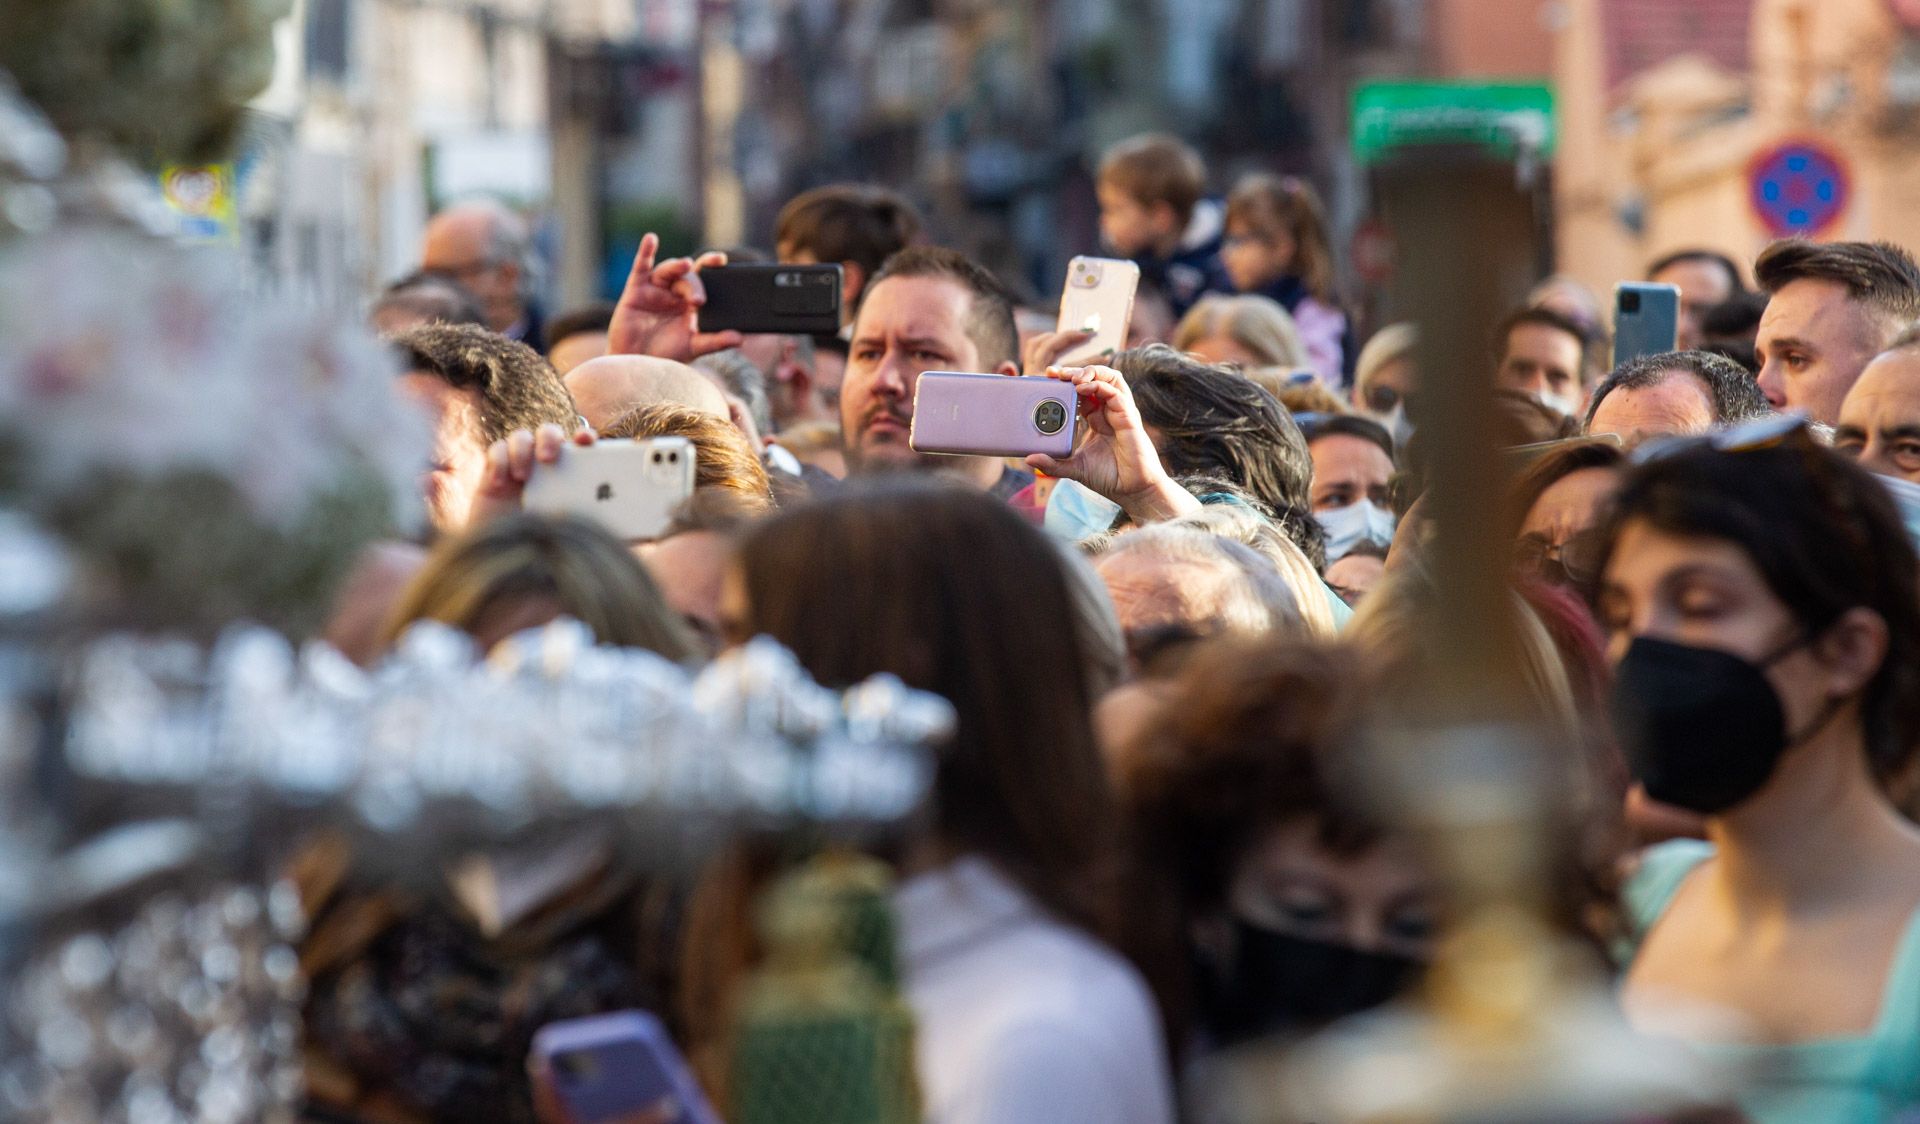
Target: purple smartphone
x,y
993,415
607,1066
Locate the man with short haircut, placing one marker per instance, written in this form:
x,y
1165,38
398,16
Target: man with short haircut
x,y
855,225
477,387
611,386
928,309
419,299
1542,354
1834,307
577,335
1705,278
1880,420
1681,392
487,250
1168,578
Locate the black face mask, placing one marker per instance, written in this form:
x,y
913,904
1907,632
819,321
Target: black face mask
x,y
1702,729
1280,983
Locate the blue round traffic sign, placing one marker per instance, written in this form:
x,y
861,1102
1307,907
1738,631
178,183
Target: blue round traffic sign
x,y
1798,187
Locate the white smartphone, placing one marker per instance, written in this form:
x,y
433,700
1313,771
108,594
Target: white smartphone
x,y
1098,299
630,487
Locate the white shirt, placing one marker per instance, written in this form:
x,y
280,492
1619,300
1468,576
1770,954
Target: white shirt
x,y
1021,1019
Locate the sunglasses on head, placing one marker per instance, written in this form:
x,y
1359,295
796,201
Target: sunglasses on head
x,y
1747,437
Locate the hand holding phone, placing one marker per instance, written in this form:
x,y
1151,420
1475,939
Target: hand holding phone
x,y
614,1069
1114,454
992,415
630,487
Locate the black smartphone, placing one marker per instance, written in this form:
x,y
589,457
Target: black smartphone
x,y
781,299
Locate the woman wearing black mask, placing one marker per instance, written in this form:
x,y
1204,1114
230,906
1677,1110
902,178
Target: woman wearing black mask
x,y
1761,601
1292,910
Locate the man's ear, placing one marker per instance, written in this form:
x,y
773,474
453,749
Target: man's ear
x,y
853,282
1007,369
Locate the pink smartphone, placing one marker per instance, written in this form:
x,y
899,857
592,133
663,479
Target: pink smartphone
x,y
993,415
1098,298
607,1066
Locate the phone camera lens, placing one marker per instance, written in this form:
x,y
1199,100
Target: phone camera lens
x,y
1629,302
656,458
1050,417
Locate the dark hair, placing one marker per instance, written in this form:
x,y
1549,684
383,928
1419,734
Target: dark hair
x,y
845,222
1551,468
517,388
1737,317
596,317
1880,275
1709,257
722,458
1731,390
433,297
1215,422
1350,425
1252,747
990,322
943,586
1545,318
1825,536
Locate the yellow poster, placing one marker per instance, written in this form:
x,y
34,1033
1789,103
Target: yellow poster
x,y
201,197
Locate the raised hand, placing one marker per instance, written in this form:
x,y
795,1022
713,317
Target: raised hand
x,y
1113,452
659,310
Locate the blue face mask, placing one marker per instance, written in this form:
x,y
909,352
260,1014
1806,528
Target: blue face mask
x,y
1906,497
1076,512
1347,527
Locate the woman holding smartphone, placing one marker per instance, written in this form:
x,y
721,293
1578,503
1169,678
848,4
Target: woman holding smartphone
x,y
1761,602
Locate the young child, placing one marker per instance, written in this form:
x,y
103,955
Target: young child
x,y
1276,246
1152,210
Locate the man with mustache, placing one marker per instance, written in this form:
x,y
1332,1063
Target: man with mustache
x,y
928,309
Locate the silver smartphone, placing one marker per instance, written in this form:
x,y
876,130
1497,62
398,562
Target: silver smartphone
x,y
630,487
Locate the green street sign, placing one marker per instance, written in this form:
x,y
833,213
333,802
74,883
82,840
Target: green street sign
x,y
1506,118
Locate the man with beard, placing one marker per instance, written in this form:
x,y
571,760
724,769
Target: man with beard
x,y
928,309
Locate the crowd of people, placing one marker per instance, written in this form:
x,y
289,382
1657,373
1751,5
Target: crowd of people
x,y
1145,851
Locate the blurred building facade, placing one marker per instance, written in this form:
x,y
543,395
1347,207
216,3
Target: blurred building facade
x,y
1669,113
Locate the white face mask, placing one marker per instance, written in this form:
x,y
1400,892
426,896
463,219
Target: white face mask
x,y
1906,497
1395,422
1569,407
1347,527
1076,512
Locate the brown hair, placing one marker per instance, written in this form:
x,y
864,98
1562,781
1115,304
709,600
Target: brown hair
x,y
1156,168
990,323
1248,750
1880,275
1551,468
845,222
944,588
1299,397
722,458
588,572
518,389
1286,206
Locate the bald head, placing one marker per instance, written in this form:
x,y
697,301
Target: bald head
x,y
482,246
611,386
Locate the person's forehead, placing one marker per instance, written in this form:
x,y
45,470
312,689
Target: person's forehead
x,y
1676,390
1888,392
1811,306
914,306
1345,453
1695,275
451,235
1541,340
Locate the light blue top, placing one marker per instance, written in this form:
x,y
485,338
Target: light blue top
x,y
1866,1079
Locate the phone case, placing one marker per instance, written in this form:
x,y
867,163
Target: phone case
x,y
1646,320
782,299
1098,298
606,1066
630,487
993,415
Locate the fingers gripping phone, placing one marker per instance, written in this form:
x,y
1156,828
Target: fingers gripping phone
x,y
630,487
608,1066
993,415
1646,320
781,299
1098,298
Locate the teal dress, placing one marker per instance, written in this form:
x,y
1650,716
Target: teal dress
x,y
1866,1079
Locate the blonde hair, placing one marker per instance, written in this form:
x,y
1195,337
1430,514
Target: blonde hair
x,y
589,573
1285,206
1257,324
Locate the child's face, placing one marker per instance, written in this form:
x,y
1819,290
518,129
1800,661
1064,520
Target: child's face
x,y
1255,259
1132,228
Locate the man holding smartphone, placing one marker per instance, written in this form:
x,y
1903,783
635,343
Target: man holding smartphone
x,y
928,309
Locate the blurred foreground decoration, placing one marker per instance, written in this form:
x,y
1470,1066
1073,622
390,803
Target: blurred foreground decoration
x,y
1516,1023
152,975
